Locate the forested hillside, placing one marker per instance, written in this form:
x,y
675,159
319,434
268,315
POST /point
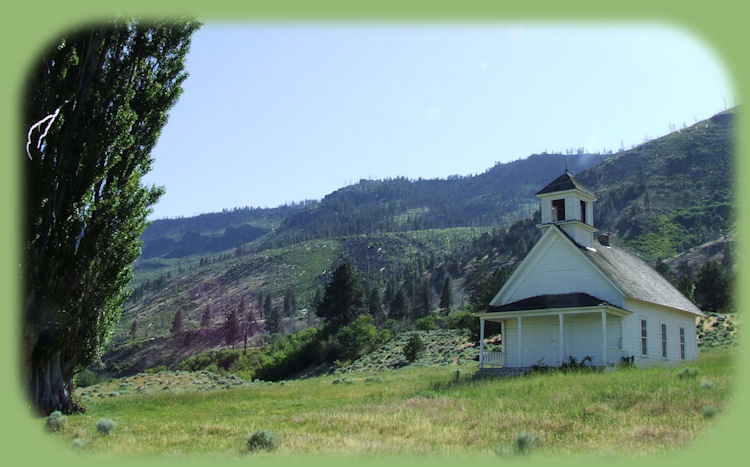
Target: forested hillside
x,y
212,232
497,197
670,194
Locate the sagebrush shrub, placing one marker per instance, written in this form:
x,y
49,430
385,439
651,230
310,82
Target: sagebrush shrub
x,y
709,411
707,384
56,421
688,372
105,426
524,442
262,440
79,443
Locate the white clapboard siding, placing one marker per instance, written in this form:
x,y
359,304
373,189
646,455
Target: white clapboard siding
x,y
558,269
655,317
582,337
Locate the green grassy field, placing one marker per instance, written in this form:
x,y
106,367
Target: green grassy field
x,y
414,410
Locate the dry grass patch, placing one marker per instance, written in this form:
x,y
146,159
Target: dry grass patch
x,y
420,411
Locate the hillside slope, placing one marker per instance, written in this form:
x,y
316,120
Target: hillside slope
x,y
670,194
497,197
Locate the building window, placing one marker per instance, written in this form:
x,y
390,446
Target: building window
x,y
558,209
663,341
583,211
644,338
682,343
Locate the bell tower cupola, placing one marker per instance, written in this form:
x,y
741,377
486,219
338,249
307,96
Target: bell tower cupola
x,y
569,205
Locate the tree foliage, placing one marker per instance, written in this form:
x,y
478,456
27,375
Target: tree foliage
x,y
446,295
713,287
232,328
273,318
206,317
290,302
399,306
342,300
92,112
177,324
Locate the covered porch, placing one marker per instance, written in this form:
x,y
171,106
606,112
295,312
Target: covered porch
x,y
552,334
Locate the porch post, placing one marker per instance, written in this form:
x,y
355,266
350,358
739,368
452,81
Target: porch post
x,y
562,352
604,337
481,342
520,343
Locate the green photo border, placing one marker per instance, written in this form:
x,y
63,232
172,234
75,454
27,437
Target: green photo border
x,y
27,27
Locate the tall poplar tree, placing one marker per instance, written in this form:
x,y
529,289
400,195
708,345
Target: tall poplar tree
x,y
92,112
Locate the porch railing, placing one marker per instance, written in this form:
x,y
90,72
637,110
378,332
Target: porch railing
x,y
493,358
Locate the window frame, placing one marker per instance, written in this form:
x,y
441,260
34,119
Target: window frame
x,y
583,211
558,207
663,341
682,343
644,338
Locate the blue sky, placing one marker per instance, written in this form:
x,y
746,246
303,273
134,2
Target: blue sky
x,y
280,112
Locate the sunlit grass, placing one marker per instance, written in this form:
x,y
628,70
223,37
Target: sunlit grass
x,y
422,410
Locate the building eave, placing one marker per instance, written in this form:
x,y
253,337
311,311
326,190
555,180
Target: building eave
x,y
501,315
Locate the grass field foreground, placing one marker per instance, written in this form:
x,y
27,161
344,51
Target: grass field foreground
x,y
422,410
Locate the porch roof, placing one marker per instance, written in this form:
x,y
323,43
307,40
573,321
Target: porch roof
x,y
551,301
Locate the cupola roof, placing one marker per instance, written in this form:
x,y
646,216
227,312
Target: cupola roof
x,y
563,183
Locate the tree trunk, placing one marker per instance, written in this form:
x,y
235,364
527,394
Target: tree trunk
x,y
50,388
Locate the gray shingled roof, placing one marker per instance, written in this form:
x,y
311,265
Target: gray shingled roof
x,y
549,301
562,183
636,278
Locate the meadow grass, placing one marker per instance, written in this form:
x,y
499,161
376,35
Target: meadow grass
x,y
422,411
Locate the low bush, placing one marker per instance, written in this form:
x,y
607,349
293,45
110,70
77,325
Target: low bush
x,y
56,421
707,384
574,364
524,442
79,443
426,324
86,378
105,426
688,372
262,440
709,411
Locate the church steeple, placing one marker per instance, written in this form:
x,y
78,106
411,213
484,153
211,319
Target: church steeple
x,y
569,205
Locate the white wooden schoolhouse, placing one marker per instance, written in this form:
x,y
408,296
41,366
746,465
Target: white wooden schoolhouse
x,y
577,296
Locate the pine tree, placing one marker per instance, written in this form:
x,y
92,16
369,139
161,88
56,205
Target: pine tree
x,y
375,306
206,317
231,328
713,287
342,300
92,112
422,305
260,304
314,305
399,306
134,330
267,307
177,323
446,296
273,320
244,321
290,302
